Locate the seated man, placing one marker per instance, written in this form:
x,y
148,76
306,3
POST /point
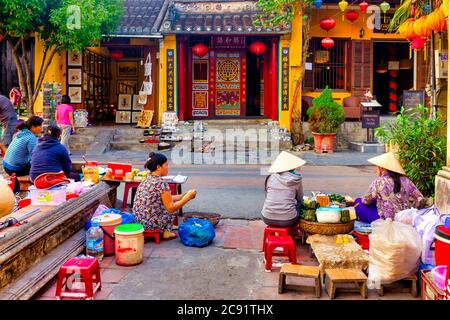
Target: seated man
x,y
51,156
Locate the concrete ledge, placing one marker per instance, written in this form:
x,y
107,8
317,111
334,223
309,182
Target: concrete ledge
x,y
27,244
367,147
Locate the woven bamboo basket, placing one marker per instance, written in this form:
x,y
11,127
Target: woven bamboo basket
x,y
214,218
328,229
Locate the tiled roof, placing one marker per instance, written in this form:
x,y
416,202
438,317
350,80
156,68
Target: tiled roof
x,y
141,17
214,17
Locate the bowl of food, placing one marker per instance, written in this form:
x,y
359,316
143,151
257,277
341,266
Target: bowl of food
x,y
214,218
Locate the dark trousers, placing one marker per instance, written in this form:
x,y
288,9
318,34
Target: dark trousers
x,y
25,171
281,223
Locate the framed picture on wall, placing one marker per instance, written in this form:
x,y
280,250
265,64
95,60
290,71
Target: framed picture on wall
x,y
135,117
136,105
126,86
75,94
123,117
75,76
124,102
127,68
74,59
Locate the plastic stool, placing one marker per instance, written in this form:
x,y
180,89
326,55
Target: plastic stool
x,y
155,234
282,231
288,245
88,269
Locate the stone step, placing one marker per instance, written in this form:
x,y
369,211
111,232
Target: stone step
x,y
79,146
232,122
147,147
81,138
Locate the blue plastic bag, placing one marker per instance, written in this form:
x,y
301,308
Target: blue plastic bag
x,y
196,232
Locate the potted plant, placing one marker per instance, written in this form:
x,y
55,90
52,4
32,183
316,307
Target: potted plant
x,y
325,117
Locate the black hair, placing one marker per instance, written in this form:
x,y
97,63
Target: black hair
x,y
33,121
154,160
265,182
53,131
397,182
65,99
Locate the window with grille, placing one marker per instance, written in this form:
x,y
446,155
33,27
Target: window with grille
x,y
200,71
329,66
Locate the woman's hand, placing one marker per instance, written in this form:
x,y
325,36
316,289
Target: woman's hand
x,y
191,194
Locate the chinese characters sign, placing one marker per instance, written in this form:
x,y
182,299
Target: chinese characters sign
x,y
170,80
285,79
229,42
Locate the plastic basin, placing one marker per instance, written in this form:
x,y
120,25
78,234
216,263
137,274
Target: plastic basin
x,y
439,274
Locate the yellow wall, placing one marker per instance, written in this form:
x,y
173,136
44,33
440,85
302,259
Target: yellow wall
x,y
56,73
170,42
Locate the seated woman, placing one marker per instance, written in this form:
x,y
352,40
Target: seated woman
x,y
390,193
50,156
284,191
18,156
155,207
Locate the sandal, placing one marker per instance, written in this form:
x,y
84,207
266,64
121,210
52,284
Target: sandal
x,y
167,235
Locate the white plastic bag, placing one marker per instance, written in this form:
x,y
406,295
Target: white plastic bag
x,y
395,249
406,216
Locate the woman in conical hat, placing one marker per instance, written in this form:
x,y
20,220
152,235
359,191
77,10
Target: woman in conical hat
x,y
284,191
390,193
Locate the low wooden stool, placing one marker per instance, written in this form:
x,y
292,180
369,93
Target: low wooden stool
x,y
296,270
412,287
25,183
335,276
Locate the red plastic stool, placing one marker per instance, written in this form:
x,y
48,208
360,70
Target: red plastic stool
x,y
282,231
155,234
288,245
88,269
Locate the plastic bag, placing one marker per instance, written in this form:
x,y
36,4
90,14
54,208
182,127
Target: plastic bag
x,y
196,232
406,216
395,249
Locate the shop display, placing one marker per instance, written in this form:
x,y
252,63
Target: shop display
x,y
52,94
169,121
80,118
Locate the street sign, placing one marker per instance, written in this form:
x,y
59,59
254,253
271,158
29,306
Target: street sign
x,y
370,119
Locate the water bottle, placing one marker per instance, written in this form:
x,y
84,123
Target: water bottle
x,y
94,240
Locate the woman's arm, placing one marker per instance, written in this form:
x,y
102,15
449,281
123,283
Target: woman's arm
x,y
71,121
371,194
178,197
172,206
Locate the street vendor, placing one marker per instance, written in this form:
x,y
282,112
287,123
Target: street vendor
x,y
154,205
390,193
284,191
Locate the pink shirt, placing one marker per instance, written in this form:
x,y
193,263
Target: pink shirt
x,y
63,114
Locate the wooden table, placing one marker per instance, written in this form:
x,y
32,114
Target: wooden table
x,y
337,256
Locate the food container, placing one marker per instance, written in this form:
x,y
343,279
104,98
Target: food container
x,y
47,197
108,223
439,274
323,200
129,244
328,215
90,171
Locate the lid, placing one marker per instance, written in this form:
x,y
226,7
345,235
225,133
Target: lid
x,y
443,232
110,219
334,209
95,222
92,163
129,229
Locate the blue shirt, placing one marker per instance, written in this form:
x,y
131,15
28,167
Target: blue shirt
x,y
19,151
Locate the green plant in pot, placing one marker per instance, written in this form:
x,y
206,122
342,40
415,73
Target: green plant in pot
x,y
325,117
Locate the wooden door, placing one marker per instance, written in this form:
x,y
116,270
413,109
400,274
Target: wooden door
x,y
362,67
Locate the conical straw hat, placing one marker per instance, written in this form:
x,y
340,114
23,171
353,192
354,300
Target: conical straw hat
x,y
388,161
285,162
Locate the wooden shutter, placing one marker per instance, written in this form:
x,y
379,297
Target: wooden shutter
x,y
362,68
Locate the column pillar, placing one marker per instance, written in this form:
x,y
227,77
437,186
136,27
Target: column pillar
x,y
274,79
181,78
443,176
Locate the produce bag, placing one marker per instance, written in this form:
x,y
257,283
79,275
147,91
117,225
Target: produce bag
x,y
196,232
395,249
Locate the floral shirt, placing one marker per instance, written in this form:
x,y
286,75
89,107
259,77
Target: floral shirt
x,y
388,202
148,206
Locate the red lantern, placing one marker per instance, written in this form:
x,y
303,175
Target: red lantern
x,y
200,50
352,15
363,6
327,24
2,37
258,48
418,43
327,43
117,55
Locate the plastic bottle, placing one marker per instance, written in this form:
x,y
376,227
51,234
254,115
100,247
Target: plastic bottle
x,y
94,240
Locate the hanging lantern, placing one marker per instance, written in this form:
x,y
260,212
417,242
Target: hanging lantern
x,y
406,29
413,10
437,21
327,24
418,43
200,50
318,4
2,37
363,6
327,43
420,27
258,48
385,6
445,7
352,15
343,6
117,55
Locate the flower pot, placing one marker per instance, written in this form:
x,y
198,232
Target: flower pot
x,y
323,142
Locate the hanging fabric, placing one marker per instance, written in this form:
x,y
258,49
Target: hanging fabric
x,y
148,66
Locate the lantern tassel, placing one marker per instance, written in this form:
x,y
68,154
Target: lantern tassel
x,y
410,52
425,53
